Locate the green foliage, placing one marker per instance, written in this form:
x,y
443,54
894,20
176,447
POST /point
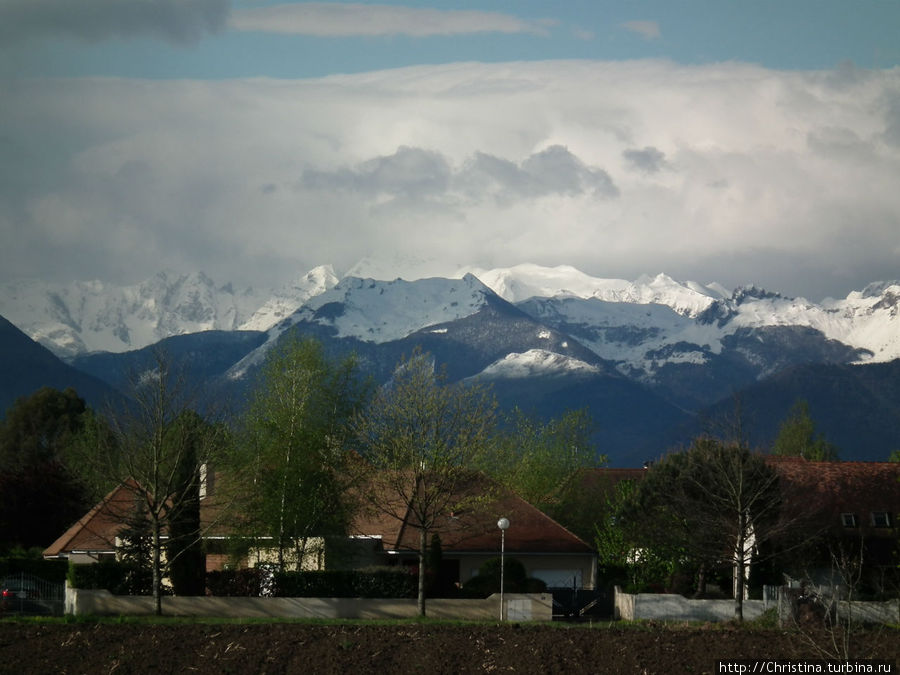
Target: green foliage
x,y
48,570
235,583
42,495
184,547
422,438
625,556
704,504
117,577
38,428
797,437
292,461
536,459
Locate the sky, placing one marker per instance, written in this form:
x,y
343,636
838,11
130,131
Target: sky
x,y
715,141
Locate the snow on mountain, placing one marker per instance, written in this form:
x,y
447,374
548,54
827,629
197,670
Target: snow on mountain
x,y
87,316
625,333
521,282
537,362
380,311
867,319
291,297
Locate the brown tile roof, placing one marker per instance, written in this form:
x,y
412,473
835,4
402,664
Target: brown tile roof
x,y
826,490
474,528
96,531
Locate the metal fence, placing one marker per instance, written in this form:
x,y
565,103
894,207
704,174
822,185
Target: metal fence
x,y
26,594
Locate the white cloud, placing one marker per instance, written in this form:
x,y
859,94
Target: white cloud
x,y
175,21
338,19
649,30
727,173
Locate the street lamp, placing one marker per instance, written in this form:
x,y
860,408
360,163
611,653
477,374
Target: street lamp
x,y
503,523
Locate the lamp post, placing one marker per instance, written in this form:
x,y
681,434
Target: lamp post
x,y
503,523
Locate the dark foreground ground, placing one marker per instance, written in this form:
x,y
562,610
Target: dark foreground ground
x,y
414,648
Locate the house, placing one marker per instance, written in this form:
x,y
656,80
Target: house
x,y
468,538
844,509
825,507
471,536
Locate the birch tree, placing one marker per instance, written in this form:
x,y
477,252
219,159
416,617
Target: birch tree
x,y
292,459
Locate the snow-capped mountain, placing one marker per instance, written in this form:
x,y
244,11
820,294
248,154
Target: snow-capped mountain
x,y
291,297
90,316
380,311
526,281
646,356
643,326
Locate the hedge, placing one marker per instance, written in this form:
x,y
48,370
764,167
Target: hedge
x,y
48,570
372,583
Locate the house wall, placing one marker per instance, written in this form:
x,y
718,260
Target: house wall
x,y
519,607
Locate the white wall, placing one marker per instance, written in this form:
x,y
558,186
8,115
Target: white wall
x,y
521,606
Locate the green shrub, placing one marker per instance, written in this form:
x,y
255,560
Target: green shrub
x,y
48,570
117,577
515,579
382,582
235,583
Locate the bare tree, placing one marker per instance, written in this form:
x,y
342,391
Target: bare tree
x,y
420,439
154,448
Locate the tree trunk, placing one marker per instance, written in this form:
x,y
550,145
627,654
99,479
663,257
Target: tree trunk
x,y
156,573
423,543
739,560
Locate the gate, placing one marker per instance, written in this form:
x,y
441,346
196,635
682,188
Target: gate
x,y
26,594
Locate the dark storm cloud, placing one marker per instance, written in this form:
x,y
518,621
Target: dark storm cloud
x,y
414,173
410,172
175,21
648,160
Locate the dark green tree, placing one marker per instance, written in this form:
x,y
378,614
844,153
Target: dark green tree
x,y
797,437
41,493
184,546
716,502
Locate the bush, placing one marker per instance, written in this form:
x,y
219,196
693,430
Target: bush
x,y
515,579
235,583
117,577
380,582
48,570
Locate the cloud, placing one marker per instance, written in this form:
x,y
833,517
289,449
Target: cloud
x,y
323,19
175,21
649,30
418,174
728,172
649,159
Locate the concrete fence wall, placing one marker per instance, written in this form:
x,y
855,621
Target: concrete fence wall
x,y
519,607
671,607
871,612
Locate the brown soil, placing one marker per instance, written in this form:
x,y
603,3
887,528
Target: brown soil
x,y
414,648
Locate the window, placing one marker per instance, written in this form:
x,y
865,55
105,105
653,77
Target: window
x,y
849,519
881,519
